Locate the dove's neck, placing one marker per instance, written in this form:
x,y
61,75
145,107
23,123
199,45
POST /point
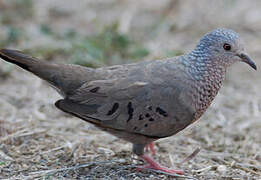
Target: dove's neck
x,y
204,67
207,79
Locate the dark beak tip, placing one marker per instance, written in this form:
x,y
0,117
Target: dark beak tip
x,y
245,58
252,64
255,68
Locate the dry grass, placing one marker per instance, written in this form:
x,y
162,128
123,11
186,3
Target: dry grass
x,y
38,141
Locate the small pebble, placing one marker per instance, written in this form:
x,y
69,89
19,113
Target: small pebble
x,y
105,151
222,168
122,160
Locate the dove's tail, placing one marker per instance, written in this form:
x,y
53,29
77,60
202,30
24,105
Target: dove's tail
x,y
16,57
65,78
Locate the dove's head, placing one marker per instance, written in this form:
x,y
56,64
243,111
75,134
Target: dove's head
x,y
223,47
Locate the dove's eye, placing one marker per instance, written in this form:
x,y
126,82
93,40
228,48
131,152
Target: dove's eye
x,y
227,47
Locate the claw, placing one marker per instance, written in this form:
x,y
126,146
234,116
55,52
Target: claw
x,y
152,164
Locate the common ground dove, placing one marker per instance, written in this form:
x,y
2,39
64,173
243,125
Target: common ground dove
x,y
144,101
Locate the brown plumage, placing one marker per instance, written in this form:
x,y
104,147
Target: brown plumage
x,y
145,101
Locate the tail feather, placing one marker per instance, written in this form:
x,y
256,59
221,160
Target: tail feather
x,y
65,78
18,58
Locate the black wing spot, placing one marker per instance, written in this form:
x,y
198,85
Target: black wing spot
x,y
141,117
161,112
135,128
150,108
130,111
146,125
113,109
147,115
151,119
94,90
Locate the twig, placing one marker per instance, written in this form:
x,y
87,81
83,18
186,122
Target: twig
x,y
191,156
11,135
250,165
204,169
5,157
68,144
21,133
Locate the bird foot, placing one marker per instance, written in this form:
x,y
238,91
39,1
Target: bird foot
x,y
152,164
150,147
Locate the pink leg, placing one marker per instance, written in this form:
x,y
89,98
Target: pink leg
x,y
150,147
152,164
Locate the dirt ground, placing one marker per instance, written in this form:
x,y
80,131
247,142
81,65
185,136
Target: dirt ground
x,y
37,141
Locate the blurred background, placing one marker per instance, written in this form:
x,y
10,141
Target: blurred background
x,y
39,141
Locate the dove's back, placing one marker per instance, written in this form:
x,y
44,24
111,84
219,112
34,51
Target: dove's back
x,y
137,102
